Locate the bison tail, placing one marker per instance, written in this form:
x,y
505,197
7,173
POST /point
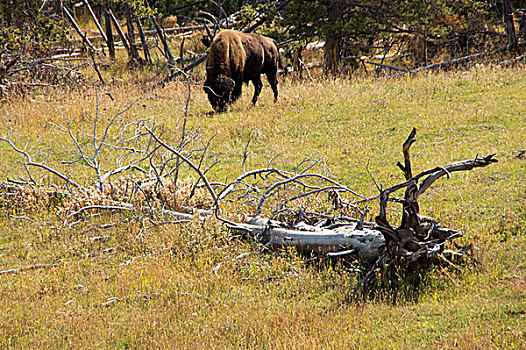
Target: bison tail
x,y
279,62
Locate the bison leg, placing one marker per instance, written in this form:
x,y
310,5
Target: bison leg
x,y
258,85
273,81
237,90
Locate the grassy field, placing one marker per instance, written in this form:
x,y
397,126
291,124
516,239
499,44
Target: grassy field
x,y
165,290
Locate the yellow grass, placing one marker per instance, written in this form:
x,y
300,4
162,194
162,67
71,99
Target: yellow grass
x,y
165,290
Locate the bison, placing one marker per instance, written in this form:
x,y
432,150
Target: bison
x,y
235,58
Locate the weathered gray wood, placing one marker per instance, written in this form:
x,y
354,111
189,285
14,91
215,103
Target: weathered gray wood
x,y
367,242
95,19
416,237
77,29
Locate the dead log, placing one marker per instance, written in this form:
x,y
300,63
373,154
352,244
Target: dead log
x,y
367,242
417,237
176,30
512,60
445,64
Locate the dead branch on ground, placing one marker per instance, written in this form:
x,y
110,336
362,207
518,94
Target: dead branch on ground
x,y
20,73
48,266
418,241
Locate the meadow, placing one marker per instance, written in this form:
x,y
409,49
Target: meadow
x,y
195,285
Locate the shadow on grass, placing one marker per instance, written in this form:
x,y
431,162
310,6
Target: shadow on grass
x,y
393,285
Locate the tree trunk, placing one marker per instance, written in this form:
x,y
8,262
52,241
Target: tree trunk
x,y
365,242
144,43
296,61
509,25
121,34
332,54
130,35
522,23
109,33
96,20
167,52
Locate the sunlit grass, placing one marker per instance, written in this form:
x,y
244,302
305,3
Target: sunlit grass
x,y
170,290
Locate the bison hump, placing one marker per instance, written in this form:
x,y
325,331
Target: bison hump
x,y
227,55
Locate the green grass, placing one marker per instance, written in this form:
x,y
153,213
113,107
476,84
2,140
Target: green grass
x,y
170,295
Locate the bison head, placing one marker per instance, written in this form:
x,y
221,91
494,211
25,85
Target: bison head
x,y
219,91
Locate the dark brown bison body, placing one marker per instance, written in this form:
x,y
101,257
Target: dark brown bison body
x,y
237,58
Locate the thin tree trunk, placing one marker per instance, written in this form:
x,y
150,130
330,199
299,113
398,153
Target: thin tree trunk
x,y
96,21
167,52
332,54
297,60
121,34
522,24
509,25
144,43
130,34
109,32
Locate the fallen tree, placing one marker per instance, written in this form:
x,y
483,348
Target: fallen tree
x,y
418,240
337,239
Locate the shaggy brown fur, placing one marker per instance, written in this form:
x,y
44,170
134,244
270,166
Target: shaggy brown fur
x,y
236,57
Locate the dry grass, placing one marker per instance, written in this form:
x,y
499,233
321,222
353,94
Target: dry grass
x,y
169,293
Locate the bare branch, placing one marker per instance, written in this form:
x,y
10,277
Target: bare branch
x,y
187,161
40,165
296,179
103,207
458,166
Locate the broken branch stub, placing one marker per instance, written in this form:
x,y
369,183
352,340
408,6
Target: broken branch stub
x,y
418,236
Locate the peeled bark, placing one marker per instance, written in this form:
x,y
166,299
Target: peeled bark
x,y
366,242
